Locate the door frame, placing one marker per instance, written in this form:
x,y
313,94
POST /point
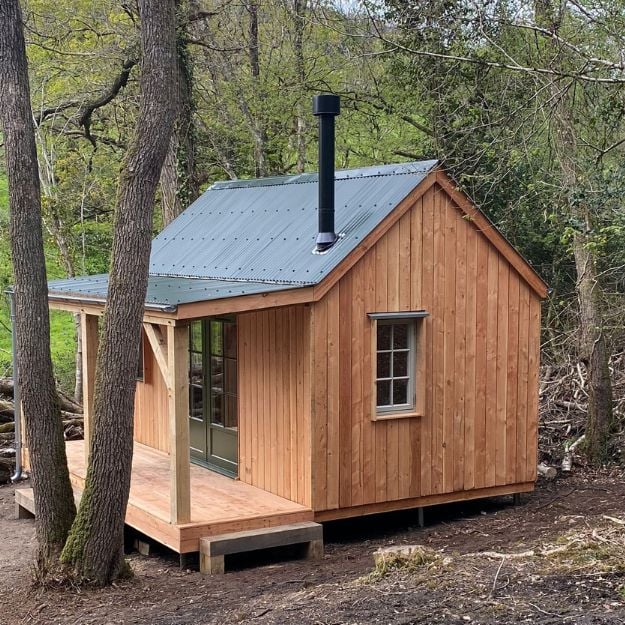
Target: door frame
x,y
226,467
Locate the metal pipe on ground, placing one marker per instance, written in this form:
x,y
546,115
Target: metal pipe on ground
x,y
17,397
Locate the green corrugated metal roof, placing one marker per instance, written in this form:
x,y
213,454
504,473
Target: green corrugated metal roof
x,y
254,236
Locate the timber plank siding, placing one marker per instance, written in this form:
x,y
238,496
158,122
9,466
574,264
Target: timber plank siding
x,y
478,430
274,414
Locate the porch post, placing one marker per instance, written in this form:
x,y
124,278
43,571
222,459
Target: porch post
x,y
89,335
178,389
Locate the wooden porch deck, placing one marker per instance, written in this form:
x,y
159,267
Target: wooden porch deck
x,y
218,504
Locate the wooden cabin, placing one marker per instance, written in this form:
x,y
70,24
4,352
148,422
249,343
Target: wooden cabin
x,y
396,369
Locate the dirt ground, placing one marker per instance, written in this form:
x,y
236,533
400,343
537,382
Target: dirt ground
x,y
559,557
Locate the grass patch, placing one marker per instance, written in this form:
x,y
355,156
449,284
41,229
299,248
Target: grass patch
x,y
411,560
591,550
62,345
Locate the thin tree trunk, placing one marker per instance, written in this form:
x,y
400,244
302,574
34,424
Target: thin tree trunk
x,y
94,549
593,350
258,129
594,353
299,11
54,500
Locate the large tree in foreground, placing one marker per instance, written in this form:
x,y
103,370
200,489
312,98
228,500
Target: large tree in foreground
x,y
54,500
94,550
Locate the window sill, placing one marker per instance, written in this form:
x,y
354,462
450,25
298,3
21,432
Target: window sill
x,y
396,415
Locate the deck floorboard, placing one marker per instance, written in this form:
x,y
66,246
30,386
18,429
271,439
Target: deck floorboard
x,y
218,504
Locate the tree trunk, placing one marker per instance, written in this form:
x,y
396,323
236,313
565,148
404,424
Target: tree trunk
x,y
94,549
179,180
54,500
599,420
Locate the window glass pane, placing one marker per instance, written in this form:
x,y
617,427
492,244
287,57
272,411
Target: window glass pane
x,y
400,392
400,364
230,339
384,365
217,374
216,337
400,336
384,336
384,393
217,415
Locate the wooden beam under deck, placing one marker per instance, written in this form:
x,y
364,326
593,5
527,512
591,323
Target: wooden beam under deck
x,y
219,504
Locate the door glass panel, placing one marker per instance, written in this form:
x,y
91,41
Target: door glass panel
x,y
230,340
196,373
230,381
195,336
231,412
217,374
217,414
216,346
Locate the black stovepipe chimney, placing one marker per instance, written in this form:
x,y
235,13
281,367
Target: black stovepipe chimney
x,y
326,108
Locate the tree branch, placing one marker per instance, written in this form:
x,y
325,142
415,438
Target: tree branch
x,y
86,110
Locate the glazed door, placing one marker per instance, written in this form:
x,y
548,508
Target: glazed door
x,y
213,394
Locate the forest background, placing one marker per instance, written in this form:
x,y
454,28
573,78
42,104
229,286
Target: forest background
x,y
525,105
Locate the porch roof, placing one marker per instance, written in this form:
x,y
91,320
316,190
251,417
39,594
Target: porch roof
x,y
164,292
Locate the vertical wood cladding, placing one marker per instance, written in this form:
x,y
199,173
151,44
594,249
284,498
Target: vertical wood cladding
x,y
481,366
274,401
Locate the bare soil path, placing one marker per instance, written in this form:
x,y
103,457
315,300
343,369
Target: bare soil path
x,y
570,534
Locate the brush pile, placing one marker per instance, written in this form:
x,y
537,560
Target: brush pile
x,y
71,413
563,406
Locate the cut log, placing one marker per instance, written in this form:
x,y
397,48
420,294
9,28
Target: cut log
x,y
549,473
68,404
65,401
7,427
567,460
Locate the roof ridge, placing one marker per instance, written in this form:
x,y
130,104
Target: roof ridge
x,y
370,171
235,279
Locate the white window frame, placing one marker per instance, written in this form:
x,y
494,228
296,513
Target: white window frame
x,y
415,320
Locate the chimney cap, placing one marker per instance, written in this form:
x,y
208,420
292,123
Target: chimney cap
x,y
326,104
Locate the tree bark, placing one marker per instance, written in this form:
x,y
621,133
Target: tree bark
x,y
94,549
54,500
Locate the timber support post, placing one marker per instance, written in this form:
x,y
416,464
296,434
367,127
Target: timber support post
x,y
178,390
89,334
